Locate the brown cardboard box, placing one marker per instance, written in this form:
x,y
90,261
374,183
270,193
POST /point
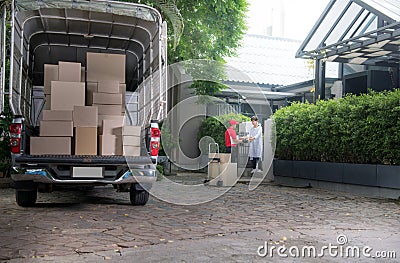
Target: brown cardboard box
x,y
110,145
112,127
50,74
132,130
103,66
108,86
213,171
66,95
122,90
224,157
57,115
50,145
108,109
228,176
85,141
91,87
131,140
110,117
83,74
129,150
56,128
69,71
87,172
85,116
47,102
107,98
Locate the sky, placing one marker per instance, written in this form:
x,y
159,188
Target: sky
x,y
299,16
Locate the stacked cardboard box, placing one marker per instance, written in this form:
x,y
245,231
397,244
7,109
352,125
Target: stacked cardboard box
x,y
110,139
85,130
51,73
64,89
106,90
131,140
222,172
86,113
55,134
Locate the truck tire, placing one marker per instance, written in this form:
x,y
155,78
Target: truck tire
x,y
26,198
138,197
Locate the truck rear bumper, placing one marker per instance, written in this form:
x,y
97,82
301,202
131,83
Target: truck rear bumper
x,y
132,176
45,169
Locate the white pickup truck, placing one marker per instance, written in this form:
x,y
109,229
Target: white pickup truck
x,y
45,32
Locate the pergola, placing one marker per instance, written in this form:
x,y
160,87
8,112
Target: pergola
x,y
365,32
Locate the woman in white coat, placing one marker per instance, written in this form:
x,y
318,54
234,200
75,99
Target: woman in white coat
x,y
256,143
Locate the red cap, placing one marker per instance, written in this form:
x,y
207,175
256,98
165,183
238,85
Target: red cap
x,y
233,122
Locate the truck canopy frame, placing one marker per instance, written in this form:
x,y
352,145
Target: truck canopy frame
x,y
45,32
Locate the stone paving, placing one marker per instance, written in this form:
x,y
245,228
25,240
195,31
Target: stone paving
x,y
101,225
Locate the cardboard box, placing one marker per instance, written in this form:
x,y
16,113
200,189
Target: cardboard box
x,y
224,157
57,115
56,128
110,145
110,117
108,86
109,109
129,150
85,140
213,171
131,140
122,90
87,172
50,145
69,71
83,74
103,66
112,127
47,102
228,176
91,87
85,116
50,74
107,98
132,130
66,95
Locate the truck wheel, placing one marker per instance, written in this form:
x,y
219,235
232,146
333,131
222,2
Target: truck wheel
x,y
138,197
26,198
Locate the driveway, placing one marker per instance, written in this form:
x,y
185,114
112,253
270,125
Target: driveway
x,y
240,226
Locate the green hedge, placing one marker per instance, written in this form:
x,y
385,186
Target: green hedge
x,y
355,129
215,128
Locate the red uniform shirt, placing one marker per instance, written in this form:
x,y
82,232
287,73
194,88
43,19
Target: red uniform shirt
x,y
229,135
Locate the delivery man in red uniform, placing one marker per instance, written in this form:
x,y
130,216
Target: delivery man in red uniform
x,y
231,140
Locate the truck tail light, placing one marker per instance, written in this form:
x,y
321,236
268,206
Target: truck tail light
x,y
154,147
155,135
155,132
15,137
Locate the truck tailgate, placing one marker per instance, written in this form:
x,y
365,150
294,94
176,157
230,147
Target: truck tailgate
x,y
82,160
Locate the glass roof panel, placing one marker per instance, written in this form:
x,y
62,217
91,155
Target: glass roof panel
x,y
391,8
343,23
348,24
356,27
326,23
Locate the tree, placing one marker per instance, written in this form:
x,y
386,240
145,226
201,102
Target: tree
x,y
212,29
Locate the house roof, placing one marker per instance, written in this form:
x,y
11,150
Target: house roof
x,y
270,61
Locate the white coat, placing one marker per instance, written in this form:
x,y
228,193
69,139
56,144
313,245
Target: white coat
x,y
256,146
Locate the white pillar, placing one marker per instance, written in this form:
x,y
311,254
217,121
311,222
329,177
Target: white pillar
x,y
268,150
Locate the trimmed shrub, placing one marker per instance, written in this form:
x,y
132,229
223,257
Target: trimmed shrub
x,y
215,128
354,129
